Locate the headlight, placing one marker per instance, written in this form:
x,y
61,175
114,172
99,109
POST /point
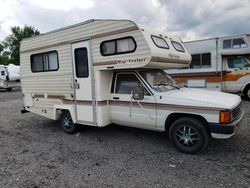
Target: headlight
x,y
225,117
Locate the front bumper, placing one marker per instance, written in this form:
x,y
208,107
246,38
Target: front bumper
x,y
224,131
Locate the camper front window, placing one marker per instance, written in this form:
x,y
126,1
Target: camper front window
x,y
159,80
160,42
178,46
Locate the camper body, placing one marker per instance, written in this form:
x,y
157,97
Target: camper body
x,y
111,71
221,64
9,76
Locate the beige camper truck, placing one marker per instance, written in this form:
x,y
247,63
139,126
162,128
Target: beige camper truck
x,y
111,71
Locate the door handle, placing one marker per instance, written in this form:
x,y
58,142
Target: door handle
x,y
77,85
116,98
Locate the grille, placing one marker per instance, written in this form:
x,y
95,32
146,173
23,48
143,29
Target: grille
x,y
236,112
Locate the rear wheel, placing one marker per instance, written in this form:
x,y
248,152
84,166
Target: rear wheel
x,y
189,135
67,123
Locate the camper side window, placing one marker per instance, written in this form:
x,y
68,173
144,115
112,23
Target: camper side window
x,y
2,73
200,61
43,62
118,46
234,43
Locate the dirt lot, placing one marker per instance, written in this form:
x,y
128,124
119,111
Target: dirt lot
x,y
34,152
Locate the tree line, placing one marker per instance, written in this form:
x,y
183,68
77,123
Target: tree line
x,y
10,46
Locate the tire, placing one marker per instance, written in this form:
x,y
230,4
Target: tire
x,y
67,123
247,93
189,135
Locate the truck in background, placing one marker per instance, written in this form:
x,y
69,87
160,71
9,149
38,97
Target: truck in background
x,y
221,64
9,76
101,72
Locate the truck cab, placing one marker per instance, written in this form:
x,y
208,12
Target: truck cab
x,y
189,115
237,74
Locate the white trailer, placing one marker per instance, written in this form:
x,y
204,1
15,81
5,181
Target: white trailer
x,y
111,71
221,64
9,76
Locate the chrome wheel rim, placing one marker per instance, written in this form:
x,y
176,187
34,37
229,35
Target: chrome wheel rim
x,y
248,93
67,122
187,136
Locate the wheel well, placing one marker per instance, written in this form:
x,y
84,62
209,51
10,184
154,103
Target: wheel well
x,y
174,116
59,112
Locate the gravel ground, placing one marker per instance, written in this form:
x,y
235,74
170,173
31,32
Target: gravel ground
x,y
34,152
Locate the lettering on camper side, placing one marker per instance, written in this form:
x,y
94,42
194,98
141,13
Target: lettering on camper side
x,y
127,61
174,56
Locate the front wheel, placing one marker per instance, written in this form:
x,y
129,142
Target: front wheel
x,y
247,93
67,123
189,135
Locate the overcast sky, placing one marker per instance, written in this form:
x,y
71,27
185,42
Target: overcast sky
x,y
188,19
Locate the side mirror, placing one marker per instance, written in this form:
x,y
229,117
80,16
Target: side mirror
x,y
138,93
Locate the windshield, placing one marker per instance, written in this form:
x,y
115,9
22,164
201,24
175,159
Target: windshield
x,y
247,59
239,62
159,80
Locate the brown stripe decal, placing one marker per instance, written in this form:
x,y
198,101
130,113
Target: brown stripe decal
x,y
134,28
145,104
161,105
105,63
55,97
209,76
168,60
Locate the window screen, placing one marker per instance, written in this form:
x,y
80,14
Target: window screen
x,y
201,61
125,45
178,46
43,62
206,60
108,48
118,46
160,42
234,43
196,61
227,44
81,62
239,43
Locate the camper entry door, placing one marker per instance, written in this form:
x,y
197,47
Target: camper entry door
x,y
82,82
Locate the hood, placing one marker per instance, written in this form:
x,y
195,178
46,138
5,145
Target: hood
x,y
201,97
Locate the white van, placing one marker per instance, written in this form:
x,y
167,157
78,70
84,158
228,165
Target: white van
x,y
221,64
9,76
111,71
